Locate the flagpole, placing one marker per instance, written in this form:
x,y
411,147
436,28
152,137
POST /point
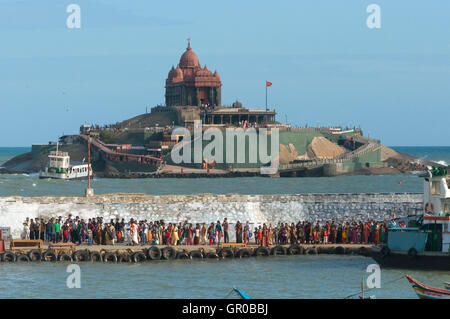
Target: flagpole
x,y
266,101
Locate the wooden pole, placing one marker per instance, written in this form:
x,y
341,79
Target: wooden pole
x,y
89,190
89,162
362,287
266,101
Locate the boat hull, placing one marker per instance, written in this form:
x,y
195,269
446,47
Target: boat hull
x,y
427,292
44,175
69,179
435,261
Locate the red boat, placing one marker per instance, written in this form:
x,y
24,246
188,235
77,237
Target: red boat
x,y
427,292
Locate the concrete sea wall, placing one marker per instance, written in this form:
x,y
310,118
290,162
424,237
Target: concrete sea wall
x,y
257,209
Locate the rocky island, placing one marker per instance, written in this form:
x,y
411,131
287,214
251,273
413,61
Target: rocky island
x,y
142,146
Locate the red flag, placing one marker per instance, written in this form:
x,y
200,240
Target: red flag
x,y
269,83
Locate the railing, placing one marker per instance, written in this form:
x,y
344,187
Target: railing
x,y
122,157
365,149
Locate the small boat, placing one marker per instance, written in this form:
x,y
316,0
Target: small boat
x,y
422,241
60,167
427,292
242,294
238,293
363,290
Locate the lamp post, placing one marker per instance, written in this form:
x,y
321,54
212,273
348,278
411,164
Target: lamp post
x,y
89,191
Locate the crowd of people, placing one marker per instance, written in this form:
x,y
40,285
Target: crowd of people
x,y
369,232
97,231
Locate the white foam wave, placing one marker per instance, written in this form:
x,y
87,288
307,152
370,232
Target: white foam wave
x,y
442,162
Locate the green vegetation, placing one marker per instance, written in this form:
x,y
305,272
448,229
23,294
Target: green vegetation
x,y
108,137
154,137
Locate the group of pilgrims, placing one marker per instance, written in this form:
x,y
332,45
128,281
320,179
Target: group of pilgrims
x,y
304,232
96,231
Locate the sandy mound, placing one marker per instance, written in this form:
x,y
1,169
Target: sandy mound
x,y
387,152
287,155
320,147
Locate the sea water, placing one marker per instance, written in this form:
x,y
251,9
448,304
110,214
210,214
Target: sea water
x,y
31,185
284,277
322,276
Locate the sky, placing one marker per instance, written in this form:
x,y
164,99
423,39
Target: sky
x,y
327,67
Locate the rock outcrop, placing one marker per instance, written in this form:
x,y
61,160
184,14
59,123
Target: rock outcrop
x,y
321,148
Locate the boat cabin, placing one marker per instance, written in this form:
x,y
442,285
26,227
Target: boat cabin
x,y
60,167
430,231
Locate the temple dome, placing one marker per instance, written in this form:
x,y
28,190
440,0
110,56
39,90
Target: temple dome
x,y
171,73
177,75
203,72
189,59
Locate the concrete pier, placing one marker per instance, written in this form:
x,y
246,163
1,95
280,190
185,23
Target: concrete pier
x,y
141,253
206,208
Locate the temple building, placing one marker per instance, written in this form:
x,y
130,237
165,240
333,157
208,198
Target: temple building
x,y
194,93
190,84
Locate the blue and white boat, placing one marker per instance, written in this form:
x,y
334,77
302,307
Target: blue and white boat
x,y
424,242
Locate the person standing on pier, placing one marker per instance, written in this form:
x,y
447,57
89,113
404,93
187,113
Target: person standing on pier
x,y
89,236
260,235
145,238
270,235
359,232
293,236
175,237
52,230
225,225
276,234
325,235
98,234
218,232
285,234
169,234
339,232
180,232
26,232
265,233
32,225
42,229
346,233
57,226
246,232
197,235
307,231
366,233
184,233
190,236
238,229
203,234
373,232
37,228
352,232
211,234
160,233
134,233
